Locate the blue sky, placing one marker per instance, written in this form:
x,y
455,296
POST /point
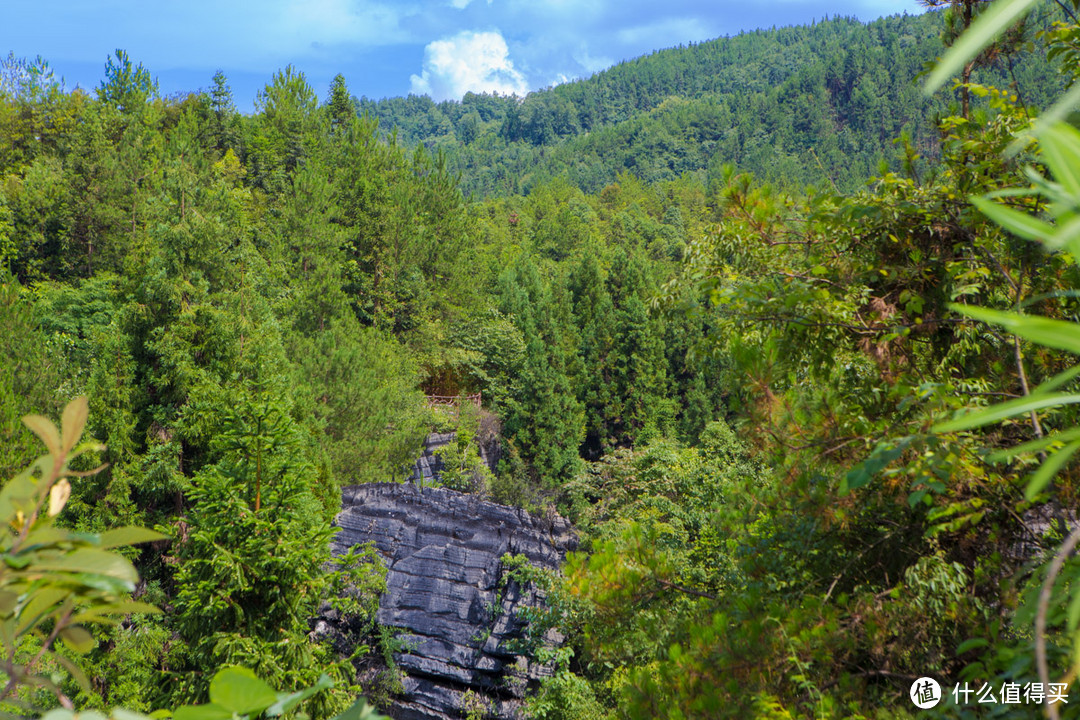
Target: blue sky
x,y
442,48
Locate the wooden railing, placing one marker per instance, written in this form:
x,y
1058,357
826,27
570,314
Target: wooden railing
x,y
453,401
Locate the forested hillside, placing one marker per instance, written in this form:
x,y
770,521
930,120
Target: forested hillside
x,y
811,105
752,402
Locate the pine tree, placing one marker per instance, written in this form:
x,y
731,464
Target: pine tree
x,y
545,420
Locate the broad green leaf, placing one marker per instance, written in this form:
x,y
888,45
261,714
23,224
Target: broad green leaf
x,y
17,494
1018,223
39,604
78,639
971,644
241,691
129,535
1042,331
73,422
46,534
92,560
986,28
58,714
360,710
96,614
103,583
74,670
122,714
1004,410
1067,237
286,702
1034,445
1057,381
1042,477
44,429
1061,150
210,711
8,601
1050,117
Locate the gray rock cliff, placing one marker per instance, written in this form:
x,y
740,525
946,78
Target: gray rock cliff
x,y
446,592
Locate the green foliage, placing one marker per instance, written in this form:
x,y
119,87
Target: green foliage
x,y
54,582
779,519
126,87
819,104
543,419
463,468
565,696
253,528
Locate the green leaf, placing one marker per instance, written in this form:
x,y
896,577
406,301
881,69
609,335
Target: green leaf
x,y
986,28
44,429
100,613
971,644
241,691
360,710
286,702
1057,381
1047,119
76,672
59,714
73,422
122,714
78,639
1042,331
1034,445
46,535
129,535
1073,613
1067,236
996,413
39,604
209,711
18,494
1042,477
92,560
865,471
1018,223
1061,150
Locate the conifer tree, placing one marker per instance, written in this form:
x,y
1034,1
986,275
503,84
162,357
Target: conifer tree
x,y
544,419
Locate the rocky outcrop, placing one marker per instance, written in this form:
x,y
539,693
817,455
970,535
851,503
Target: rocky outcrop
x,y
429,465
447,591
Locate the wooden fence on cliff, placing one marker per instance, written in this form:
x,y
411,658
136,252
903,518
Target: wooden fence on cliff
x,y
453,402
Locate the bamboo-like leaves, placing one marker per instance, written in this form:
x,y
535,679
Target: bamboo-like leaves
x,y
1056,334
984,31
1060,150
1018,223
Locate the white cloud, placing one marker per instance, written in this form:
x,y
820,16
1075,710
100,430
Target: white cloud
x,y
468,62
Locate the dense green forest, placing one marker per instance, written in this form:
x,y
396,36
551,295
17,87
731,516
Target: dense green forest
x,y
747,394
810,105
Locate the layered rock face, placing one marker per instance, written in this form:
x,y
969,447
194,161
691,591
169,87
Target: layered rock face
x,y
447,591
